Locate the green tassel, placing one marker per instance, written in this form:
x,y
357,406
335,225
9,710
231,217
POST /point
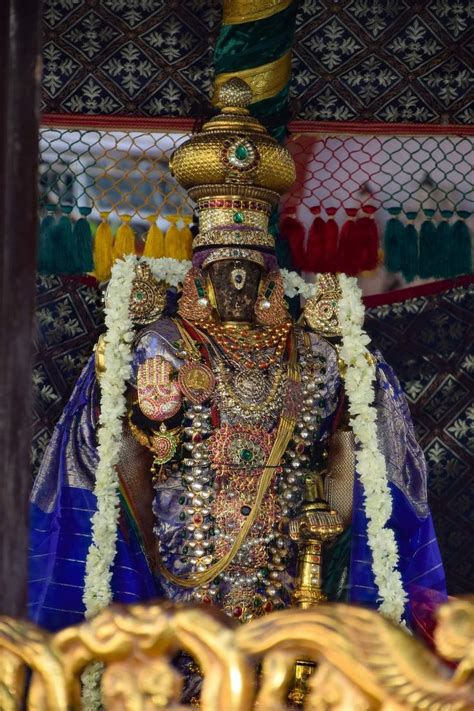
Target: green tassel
x,y
410,253
443,257
428,247
82,236
46,242
393,243
461,248
65,258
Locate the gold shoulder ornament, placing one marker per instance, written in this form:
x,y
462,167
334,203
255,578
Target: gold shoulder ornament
x,y
147,298
321,310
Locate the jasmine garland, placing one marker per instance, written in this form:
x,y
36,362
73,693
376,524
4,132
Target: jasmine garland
x,y
370,463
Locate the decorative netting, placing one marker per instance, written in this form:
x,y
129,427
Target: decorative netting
x,y
362,200
350,191
111,172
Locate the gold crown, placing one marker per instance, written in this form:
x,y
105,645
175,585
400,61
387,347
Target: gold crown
x,y
234,171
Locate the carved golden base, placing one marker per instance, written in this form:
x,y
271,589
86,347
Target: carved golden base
x,y
306,597
364,661
303,670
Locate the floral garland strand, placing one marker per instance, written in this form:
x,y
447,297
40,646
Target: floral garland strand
x,y
100,557
371,466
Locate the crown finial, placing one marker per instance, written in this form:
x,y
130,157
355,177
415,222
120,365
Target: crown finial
x,y
235,93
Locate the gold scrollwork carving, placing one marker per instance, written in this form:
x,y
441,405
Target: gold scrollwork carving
x,y
363,661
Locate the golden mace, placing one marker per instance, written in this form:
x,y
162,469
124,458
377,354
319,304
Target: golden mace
x,y
315,525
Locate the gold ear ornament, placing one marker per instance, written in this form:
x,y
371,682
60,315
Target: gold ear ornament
x,y
271,308
194,303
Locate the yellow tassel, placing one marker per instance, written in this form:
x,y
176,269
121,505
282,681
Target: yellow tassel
x,y
124,239
103,249
172,247
155,240
186,237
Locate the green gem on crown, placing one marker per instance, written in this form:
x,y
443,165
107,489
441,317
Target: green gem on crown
x,y
241,152
246,455
139,296
238,217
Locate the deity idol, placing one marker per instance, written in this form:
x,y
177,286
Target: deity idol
x,y
236,437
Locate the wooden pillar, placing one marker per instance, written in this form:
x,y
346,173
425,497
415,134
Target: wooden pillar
x,y
20,73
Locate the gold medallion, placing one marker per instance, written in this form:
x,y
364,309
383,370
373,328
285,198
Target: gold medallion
x,y
196,381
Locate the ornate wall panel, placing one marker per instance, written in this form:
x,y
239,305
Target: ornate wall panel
x,y
385,61
429,342
128,57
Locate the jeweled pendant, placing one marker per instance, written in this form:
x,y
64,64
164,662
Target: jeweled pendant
x,y
164,446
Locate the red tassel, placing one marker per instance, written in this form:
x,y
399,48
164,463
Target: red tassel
x,y
368,239
316,253
331,240
292,230
347,256
332,236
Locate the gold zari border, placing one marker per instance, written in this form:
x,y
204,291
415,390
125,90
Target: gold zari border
x,y
238,11
266,81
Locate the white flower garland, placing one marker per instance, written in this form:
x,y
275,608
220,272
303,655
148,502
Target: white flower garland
x,y
359,378
101,554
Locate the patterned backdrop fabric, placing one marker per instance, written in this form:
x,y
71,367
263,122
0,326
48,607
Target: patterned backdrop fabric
x,y
428,340
362,60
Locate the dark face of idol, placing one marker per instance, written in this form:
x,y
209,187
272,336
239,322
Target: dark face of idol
x,y
235,283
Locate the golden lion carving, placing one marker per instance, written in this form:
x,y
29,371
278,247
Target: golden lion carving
x,y
363,661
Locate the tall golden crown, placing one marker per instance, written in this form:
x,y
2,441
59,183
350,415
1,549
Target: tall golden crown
x,y
235,172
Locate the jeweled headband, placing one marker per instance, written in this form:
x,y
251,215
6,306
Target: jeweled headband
x,y
218,255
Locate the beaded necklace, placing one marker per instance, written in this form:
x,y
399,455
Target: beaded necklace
x,y
243,341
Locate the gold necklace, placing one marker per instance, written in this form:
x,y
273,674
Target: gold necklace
x,y
236,393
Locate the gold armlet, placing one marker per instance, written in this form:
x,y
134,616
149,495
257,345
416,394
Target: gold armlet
x,y
99,357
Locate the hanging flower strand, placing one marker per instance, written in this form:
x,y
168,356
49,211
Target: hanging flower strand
x,y
371,466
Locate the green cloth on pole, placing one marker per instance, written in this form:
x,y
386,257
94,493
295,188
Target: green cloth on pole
x,y
250,44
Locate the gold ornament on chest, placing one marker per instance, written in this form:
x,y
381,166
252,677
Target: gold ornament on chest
x,y
196,381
